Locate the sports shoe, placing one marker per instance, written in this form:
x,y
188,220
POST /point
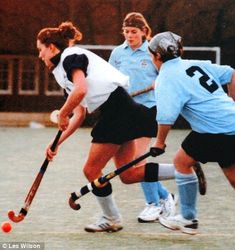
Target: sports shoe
x,y
151,213
104,224
177,222
202,184
169,205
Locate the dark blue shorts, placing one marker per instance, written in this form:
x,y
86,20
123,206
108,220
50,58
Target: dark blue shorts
x,y
121,119
207,147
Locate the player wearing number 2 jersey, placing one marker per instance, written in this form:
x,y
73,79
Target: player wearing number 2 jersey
x,y
193,89
196,81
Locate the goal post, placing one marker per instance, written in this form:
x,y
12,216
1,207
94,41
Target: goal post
x,y
216,51
190,52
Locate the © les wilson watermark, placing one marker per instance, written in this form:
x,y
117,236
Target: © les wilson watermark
x,y
22,245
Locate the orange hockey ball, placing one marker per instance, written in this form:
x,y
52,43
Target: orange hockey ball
x,y
6,227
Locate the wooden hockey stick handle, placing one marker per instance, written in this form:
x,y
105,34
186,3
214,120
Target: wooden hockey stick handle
x,y
142,91
30,196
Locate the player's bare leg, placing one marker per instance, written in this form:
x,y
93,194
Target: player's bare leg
x,y
99,156
229,172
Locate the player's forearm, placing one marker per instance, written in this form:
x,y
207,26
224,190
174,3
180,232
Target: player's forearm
x,y
75,122
162,133
72,102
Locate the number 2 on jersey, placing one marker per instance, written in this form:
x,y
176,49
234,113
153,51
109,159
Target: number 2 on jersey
x,y
203,79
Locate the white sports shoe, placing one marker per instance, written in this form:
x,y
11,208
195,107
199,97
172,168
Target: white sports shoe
x,y
177,222
169,206
104,224
151,213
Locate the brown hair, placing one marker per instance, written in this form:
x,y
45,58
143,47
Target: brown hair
x,y
62,36
137,20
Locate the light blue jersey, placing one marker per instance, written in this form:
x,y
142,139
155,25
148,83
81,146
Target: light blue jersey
x,y
136,64
193,89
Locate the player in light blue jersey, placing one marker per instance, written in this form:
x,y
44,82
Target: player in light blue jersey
x,y
195,90
133,59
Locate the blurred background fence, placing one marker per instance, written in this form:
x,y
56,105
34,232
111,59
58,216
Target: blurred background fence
x,y
26,86
29,92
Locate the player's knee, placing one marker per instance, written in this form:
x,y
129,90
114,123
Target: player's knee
x,y
89,174
177,165
182,165
126,179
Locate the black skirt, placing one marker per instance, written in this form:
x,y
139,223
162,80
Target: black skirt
x,y
210,148
121,119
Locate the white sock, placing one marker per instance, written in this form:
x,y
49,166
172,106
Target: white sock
x,y
166,171
109,207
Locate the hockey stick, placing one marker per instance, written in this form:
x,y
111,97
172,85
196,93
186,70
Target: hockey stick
x,y
103,179
29,198
142,91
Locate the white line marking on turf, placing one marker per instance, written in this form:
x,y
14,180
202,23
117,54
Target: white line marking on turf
x,y
170,234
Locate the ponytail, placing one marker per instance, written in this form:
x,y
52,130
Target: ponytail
x,y
62,37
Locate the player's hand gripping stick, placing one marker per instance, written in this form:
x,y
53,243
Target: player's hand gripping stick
x,y
103,179
24,210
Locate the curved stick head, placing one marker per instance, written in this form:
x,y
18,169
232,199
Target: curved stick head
x,y
14,218
73,205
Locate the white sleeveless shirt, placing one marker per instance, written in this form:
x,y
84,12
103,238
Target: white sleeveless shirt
x,y
102,78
